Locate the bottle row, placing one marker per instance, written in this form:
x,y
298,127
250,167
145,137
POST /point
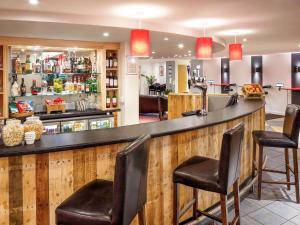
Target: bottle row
x,y
111,80
57,65
111,102
55,85
112,60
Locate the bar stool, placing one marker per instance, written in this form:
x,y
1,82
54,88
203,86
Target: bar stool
x,y
103,202
212,175
287,139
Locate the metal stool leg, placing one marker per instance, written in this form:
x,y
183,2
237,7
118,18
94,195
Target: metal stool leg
x,y
260,165
175,204
287,170
224,211
295,159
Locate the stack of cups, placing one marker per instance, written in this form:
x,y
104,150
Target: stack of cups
x,y
29,137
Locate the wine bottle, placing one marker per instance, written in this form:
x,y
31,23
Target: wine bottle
x,y
111,80
115,81
23,88
107,101
115,61
114,100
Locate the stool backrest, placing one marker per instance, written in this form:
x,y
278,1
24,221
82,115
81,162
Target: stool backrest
x,y
231,151
291,123
130,183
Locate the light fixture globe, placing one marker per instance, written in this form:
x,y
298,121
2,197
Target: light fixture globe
x,y
204,47
235,52
140,43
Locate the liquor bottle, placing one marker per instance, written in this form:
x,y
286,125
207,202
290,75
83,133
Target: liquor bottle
x,y
15,87
82,85
115,61
111,80
110,61
75,83
28,65
71,86
57,68
114,100
87,86
107,101
34,90
79,66
44,85
107,62
115,81
23,88
18,67
38,67
90,65
107,82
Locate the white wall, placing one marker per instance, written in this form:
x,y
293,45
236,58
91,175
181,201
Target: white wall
x,y
277,69
212,70
240,72
130,92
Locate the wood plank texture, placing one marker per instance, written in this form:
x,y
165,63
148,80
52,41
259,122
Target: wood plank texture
x,y
33,186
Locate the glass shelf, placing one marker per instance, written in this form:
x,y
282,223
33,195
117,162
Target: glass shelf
x,y
54,94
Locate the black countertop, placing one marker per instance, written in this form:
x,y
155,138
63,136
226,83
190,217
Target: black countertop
x,y
83,139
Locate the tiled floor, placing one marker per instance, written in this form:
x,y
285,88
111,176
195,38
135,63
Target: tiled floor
x,y
278,204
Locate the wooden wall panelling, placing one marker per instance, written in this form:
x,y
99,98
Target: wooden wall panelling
x,y
4,191
29,189
15,190
60,179
42,189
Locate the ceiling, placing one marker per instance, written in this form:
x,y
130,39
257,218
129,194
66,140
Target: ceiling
x,y
270,26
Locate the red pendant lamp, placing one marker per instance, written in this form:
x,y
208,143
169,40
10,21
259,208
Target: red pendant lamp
x,y
235,51
204,48
140,43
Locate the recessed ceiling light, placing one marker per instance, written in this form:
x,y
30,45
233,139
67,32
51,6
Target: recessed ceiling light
x,y
105,34
34,2
299,45
185,55
190,54
180,45
189,51
245,40
243,46
166,38
153,52
23,50
175,56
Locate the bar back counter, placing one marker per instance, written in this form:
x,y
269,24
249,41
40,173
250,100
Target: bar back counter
x,y
35,179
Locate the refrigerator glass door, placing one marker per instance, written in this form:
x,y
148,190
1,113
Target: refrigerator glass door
x,y
52,128
101,123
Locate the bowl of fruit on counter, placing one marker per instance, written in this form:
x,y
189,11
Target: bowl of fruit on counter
x,y
253,91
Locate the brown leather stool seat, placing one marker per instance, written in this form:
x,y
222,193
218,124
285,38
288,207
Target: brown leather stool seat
x,y
273,139
286,139
212,175
92,203
103,202
198,172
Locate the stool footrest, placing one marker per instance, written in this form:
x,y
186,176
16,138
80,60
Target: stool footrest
x,y
235,220
209,216
186,208
277,182
273,171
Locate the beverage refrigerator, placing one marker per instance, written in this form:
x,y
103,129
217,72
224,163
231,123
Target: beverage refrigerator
x,y
76,124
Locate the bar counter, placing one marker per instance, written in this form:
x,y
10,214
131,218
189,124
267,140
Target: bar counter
x,y
35,179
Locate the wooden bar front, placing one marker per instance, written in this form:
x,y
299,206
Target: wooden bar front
x,y
32,186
